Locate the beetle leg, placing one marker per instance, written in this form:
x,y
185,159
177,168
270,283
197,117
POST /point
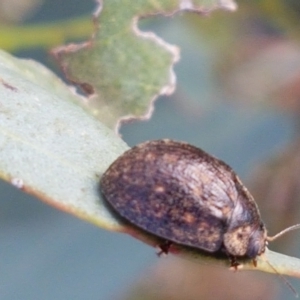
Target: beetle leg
x,y
233,262
254,262
164,247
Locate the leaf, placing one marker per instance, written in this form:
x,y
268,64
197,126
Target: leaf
x,y
49,146
122,68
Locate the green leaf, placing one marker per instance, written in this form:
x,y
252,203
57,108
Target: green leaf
x,y
123,68
52,148
49,146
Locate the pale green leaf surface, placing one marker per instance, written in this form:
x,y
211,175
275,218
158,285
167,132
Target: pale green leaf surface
x,y
50,146
123,68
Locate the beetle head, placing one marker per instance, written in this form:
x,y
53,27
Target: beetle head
x,y
257,242
245,240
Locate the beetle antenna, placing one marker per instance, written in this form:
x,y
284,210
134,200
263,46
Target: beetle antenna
x,y
272,238
281,276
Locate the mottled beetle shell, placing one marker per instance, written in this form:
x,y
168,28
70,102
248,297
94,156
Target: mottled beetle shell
x,y
184,195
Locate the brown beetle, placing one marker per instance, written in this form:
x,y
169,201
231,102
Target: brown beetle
x,y
185,196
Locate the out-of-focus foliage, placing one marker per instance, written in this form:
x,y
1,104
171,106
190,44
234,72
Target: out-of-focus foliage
x,y
122,68
176,279
14,11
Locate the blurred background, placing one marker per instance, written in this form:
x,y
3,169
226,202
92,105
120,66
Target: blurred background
x,y
238,97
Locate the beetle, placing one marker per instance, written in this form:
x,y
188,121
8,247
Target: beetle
x,y
185,196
